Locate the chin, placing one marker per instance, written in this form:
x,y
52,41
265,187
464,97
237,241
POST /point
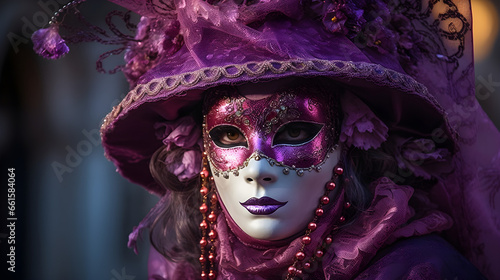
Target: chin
x,y
269,229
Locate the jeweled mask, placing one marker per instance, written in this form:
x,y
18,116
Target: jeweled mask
x,y
256,135
295,127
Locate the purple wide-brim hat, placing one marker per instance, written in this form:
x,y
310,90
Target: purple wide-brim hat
x,y
203,45
411,64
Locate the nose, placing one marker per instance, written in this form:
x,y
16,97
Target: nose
x,y
260,172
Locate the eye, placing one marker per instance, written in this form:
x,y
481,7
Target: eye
x,y
226,136
296,133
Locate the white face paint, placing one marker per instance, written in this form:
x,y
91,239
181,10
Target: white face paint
x,y
294,198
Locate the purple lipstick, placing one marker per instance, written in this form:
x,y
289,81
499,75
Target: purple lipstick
x,y
262,206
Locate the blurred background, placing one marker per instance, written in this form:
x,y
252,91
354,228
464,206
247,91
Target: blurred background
x,y
74,211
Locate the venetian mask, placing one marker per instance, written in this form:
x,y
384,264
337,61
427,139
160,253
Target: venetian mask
x,y
271,148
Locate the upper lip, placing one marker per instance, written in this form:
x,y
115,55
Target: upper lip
x,y
265,200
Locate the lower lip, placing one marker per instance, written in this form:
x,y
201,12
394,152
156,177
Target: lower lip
x,y
262,209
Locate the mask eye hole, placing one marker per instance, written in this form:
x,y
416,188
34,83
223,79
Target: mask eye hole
x,y
296,133
227,136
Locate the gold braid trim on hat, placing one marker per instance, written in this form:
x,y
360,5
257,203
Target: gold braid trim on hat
x,y
371,72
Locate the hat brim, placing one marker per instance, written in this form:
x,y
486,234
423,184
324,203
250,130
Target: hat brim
x,y
129,137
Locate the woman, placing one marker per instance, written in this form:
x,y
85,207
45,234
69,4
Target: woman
x,y
307,139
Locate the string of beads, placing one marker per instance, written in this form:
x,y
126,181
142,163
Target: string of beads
x,y
299,268
207,225
53,19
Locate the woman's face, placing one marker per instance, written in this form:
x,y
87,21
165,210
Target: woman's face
x,y
270,148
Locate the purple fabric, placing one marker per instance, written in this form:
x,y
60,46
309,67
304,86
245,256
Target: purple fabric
x,y
155,38
184,133
48,43
361,128
187,168
382,223
421,258
160,268
421,157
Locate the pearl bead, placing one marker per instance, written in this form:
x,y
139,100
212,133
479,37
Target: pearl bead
x,y
306,240
213,199
342,219
211,257
212,275
330,186
292,270
202,259
325,200
203,242
319,212
347,205
339,170
203,225
307,265
212,217
312,226
300,255
204,173
203,208
319,253
203,191
212,234
204,276
328,240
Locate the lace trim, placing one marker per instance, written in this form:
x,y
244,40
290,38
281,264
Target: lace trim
x,y
371,72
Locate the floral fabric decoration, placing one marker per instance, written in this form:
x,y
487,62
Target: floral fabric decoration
x,y
361,127
374,24
421,156
183,133
155,38
48,43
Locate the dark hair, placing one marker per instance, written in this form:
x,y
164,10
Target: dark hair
x,y
174,233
